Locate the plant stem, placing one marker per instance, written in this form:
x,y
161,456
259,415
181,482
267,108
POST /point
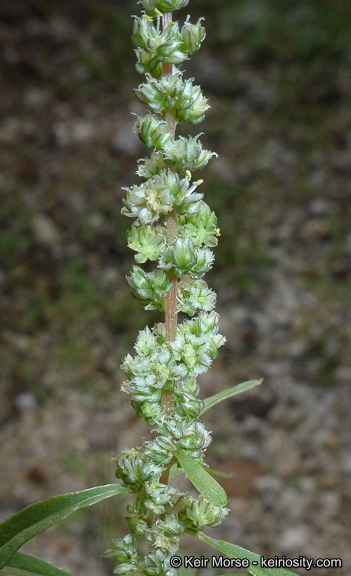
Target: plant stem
x,y
170,299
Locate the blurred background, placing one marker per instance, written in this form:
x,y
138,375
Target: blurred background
x,y
278,77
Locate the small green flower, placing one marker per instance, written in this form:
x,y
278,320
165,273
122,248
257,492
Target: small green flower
x,y
188,406
149,287
187,100
137,525
195,439
149,37
204,262
152,131
146,342
203,513
187,386
172,525
161,449
152,413
156,496
180,257
148,202
148,63
202,228
192,104
195,295
192,36
134,470
186,154
149,167
124,550
147,241
154,46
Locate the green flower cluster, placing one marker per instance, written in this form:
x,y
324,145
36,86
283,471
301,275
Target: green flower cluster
x,y
177,230
160,365
171,45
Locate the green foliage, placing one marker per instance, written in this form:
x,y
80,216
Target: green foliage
x,y
203,482
234,551
36,518
24,565
229,393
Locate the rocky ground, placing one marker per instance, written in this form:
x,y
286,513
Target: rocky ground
x,y
280,119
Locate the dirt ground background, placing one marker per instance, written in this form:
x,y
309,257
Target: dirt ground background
x,y
278,76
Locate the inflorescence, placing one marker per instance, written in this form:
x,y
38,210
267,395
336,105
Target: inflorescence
x,y
175,228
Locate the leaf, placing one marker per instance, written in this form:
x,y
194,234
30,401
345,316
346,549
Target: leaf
x,y
174,471
36,518
225,394
234,551
24,565
203,482
219,474
185,571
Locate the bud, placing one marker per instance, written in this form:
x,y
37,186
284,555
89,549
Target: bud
x,y
161,449
195,295
188,406
132,469
157,564
149,167
173,526
147,241
152,413
124,550
201,229
168,52
151,95
136,524
208,322
195,439
149,287
152,131
144,34
192,36
171,428
146,342
148,63
186,154
192,104
140,392
189,386
163,5
180,257
203,513
204,261
157,496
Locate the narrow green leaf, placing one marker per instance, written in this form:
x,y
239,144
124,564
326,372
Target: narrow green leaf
x,y
225,394
203,482
24,565
234,551
36,518
219,474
